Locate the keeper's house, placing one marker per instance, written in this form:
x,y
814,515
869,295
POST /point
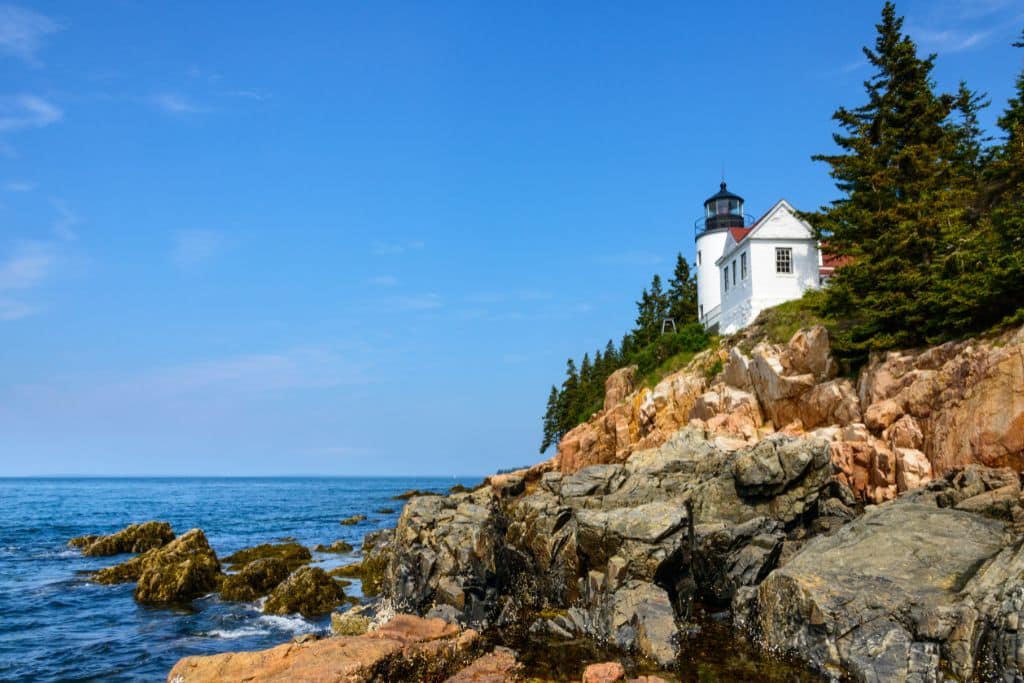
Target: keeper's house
x,y
745,266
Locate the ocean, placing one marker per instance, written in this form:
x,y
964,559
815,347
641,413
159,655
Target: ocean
x,y
55,625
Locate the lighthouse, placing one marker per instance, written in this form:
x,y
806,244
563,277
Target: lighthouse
x,y
722,211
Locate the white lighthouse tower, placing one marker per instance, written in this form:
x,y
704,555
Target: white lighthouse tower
x,y
722,212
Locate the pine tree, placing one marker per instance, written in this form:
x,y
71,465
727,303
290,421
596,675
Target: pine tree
x,y
682,293
568,399
894,170
551,434
660,303
645,316
611,357
1005,204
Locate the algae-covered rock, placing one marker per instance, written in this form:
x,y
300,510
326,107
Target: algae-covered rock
x,y
135,538
82,541
338,546
354,622
292,554
309,591
385,511
353,520
255,580
182,570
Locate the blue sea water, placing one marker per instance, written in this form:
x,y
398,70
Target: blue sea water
x,y
55,625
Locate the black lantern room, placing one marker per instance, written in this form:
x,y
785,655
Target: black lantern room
x,y
723,210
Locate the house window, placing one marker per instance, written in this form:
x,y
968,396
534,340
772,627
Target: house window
x,y
783,260
734,272
698,257
702,311
727,278
743,266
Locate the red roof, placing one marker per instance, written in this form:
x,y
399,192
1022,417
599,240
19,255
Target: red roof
x,y
738,234
830,261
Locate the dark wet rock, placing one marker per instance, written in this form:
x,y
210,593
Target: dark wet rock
x,y
353,520
309,591
135,538
338,546
178,572
910,591
255,580
291,553
385,511
414,493
632,545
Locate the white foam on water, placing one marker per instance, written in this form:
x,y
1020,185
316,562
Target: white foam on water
x,y
291,623
231,634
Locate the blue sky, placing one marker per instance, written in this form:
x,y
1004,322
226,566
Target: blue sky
x,y
362,238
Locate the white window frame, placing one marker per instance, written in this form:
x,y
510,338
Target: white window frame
x,y
743,266
783,259
727,278
734,272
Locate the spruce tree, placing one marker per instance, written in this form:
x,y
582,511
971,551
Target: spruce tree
x,y
682,293
645,316
659,302
893,171
551,433
568,399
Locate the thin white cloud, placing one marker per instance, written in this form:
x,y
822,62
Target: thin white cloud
x,y
416,302
174,103
27,266
64,225
194,247
14,310
19,186
22,32
383,281
388,248
950,40
254,95
27,111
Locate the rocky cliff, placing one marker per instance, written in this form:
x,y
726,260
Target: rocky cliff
x,y
910,416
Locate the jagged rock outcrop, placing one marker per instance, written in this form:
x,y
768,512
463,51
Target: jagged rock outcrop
x,y
135,538
291,553
178,572
309,591
407,648
923,587
255,579
624,548
912,415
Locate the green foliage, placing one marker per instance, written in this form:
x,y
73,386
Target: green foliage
x,y
930,218
582,391
712,370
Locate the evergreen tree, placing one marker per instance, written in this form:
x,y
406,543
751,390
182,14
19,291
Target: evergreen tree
x,y
1005,203
568,399
659,301
645,316
611,358
551,433
682,293
894,171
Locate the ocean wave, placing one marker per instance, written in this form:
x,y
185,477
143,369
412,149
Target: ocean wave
x,y
231,634
291,623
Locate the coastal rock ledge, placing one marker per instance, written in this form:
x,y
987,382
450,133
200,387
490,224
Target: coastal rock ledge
x,y
407,648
